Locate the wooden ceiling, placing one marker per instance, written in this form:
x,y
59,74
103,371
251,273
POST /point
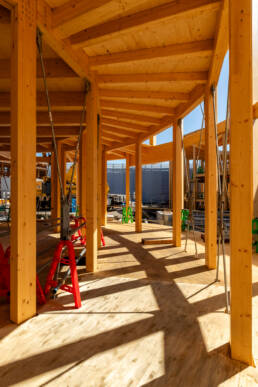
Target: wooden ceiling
x,y
152,60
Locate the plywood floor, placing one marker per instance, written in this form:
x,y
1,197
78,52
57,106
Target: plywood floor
x,y
151,316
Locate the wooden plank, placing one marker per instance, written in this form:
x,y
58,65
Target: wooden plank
x,y
177,182
23,162
152,241
198,76
45,132
104,188
241,189
203,47
130,116
111,29
92,179
127,181
210,184
120,132
60,118
166,95
138,187
104,103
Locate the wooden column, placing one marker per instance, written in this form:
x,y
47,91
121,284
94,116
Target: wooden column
x,y
153,140
99,193
78,185
55,184
194,178
241,170
104,188
177,183
92,178
138,187
210,184
127,181
255,99
63,167
23,162
82,175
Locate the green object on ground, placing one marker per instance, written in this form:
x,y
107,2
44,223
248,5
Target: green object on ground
x,y
184,218
200,170
127,215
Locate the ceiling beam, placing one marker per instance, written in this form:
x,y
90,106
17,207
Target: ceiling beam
x,y
66,14
123,124
147,94
104,103
45,132
55,68
120,132
76,59
181,49
129,116
197,76
69,118
110,29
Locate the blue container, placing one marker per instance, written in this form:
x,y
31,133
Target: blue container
x,y
73,205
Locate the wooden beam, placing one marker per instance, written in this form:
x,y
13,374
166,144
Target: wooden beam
x,y
138,187
60,118
55,68
119,132
104,103
127,181
72,12
147,94
241,177
199,76
76,59
124,124
110,29
23,162
177,182
210,184
130,116
203,47
92,179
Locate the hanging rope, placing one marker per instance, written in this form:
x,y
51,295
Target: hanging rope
x,y
221,194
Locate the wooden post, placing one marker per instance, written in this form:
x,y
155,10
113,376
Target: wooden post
x,y
210,184
78,184
241,175
63,167
99,193
104,188
55,184
153,140
82,175
194,178
255,99
92,178
23,162
170,183
138,187
177,182
127,181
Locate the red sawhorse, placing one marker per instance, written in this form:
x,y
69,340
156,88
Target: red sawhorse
x,y
5,277
70,261
78,235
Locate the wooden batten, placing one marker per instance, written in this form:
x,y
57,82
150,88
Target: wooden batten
x,y
127,181
23,162
241,171
210,184
92,179
177,182
138,187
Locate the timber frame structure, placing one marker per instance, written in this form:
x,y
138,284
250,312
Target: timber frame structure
x,y
149,63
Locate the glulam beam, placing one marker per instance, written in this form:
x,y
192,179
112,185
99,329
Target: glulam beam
x,y
147,94
197,76
105,103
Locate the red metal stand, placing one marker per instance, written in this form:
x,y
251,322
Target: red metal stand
x,y
77,236
69,261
